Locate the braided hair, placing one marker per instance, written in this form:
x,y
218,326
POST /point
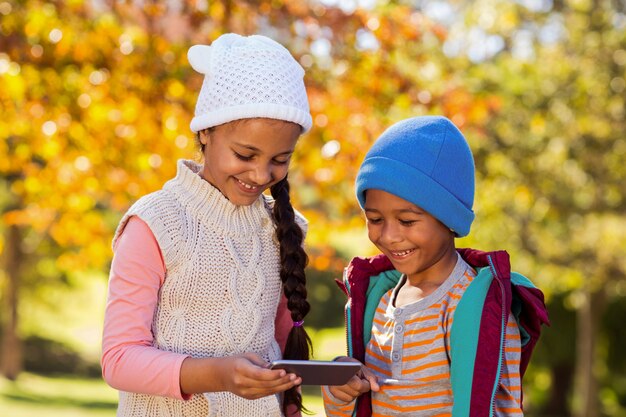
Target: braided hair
x,y
293,260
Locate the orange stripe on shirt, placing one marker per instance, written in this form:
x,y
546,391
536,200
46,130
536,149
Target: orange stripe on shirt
x,y
409,409
451,310
377,356
375,344
382,334
420,319
423,355
454,295
508,410
514,388
379,369
387,323
422,396
384,301
401,387
421,330
421,342
422,367
505,396
445,375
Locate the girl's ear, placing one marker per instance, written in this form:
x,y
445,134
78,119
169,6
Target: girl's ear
x,y
203,136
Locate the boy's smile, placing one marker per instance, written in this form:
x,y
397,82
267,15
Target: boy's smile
x,y
402,254
417,244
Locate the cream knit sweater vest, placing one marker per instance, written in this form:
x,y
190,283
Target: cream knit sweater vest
x,y
221,289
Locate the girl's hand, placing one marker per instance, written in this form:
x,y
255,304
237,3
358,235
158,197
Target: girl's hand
x,y
246,375
359,384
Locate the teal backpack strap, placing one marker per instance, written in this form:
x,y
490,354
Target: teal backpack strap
x,y
479,328
517,304
378,286
530,312
464,341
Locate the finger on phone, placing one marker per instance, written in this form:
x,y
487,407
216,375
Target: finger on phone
x,y
371,379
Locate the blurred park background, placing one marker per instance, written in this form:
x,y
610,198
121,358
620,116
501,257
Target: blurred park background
x,y
96,97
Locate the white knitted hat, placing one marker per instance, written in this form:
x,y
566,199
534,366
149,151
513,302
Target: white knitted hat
x,y
247,77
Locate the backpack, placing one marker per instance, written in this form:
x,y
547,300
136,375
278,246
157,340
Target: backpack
x,y
481,313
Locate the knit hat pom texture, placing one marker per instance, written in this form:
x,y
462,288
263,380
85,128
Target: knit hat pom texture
x,y
248,77
426,161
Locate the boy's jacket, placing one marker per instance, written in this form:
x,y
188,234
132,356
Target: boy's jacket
x,y
477,334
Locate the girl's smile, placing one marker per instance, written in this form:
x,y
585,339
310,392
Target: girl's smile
x,y
247,187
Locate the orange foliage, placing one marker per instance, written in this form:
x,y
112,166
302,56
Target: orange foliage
x,y
110,96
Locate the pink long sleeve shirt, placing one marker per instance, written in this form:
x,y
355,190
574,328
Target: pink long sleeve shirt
x,y
129,360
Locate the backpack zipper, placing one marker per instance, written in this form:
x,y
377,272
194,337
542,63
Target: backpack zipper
x,y
492,411
347,316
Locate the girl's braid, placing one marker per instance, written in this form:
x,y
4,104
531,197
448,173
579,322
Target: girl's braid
x,y
293,260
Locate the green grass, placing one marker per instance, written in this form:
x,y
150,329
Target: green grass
x,y
35,395
55,396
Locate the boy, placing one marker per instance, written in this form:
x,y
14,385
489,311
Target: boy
x,y
441,331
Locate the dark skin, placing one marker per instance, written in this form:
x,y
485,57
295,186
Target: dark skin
x,y
359,384
419,246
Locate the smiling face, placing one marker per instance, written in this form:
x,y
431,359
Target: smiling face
x,y
244,158
417,244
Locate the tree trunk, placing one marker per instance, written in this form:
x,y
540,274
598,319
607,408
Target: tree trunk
x,y
562,376
586,394
11,353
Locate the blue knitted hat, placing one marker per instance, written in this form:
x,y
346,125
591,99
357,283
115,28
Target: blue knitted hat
x,y
426,161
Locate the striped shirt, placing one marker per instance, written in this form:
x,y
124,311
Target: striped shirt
x,y
409,352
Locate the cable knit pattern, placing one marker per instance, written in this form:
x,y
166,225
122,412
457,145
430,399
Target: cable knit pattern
x,y
221,289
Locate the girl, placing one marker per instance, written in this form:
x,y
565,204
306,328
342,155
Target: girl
x,y
207,284
442,332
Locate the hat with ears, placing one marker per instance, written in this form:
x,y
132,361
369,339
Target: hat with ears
x,y
426,161
248,77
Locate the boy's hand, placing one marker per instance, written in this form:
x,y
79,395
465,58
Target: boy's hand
x,y
359,384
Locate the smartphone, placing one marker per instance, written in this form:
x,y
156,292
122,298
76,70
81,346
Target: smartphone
x,y
319,372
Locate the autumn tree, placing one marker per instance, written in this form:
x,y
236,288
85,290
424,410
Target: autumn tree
x,y
96,102
97,97
551,163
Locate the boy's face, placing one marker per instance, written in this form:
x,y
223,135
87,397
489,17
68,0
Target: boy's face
x,y
417,244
